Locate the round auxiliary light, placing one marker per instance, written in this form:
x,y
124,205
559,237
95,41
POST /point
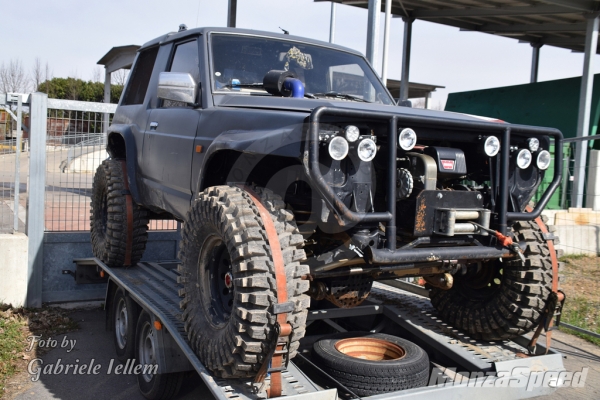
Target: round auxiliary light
x,y
543,160
338,148
533,144
524,158
352,133
407,139
367,149
491,146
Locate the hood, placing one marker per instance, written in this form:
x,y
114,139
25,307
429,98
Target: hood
x,y
307,105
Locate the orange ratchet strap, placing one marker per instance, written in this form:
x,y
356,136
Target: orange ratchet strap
x,y
556,299
283,330
129,205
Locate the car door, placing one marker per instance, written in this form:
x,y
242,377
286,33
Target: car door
x,y
169,140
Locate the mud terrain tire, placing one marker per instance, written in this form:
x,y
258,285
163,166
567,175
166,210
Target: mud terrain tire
x,y
108,217
229,285
509,301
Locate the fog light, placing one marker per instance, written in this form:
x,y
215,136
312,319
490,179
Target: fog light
x,y
524,158
543,160
407,139
533,144
352,133
491,146
338,148
367,149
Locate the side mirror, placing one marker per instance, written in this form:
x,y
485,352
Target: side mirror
x,y
177,86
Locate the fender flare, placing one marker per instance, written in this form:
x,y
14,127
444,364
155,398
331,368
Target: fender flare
x,y
287,143
126,134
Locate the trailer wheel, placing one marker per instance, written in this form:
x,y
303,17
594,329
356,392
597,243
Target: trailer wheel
x,y
229,280
125,312
370,364
500,300
109,218
152,385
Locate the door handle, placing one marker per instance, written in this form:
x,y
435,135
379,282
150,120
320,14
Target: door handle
x,y
153,126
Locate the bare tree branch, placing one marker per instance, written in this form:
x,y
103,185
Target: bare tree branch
x,y
119,77
13,78
37,74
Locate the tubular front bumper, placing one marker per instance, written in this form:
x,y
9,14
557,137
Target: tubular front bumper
x,y
476,128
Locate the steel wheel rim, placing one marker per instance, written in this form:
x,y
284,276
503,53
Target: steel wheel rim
x,y
370,349
147,351
218,291
121,323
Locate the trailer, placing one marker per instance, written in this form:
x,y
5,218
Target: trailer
x,y
460,367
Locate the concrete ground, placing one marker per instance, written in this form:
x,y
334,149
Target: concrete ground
x,y
93,342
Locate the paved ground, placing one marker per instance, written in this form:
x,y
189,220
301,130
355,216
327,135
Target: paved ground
x,y
94,343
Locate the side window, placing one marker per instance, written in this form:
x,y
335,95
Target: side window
x,y
185,59
140,77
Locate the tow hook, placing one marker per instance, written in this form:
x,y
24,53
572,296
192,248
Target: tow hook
x,y
506,241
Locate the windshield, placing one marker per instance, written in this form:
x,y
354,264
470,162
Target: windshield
x,y
240,63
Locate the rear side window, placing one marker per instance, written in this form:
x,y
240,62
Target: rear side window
x,y
140,77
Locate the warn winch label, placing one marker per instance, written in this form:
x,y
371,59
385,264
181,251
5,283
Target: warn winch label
x,y
448,164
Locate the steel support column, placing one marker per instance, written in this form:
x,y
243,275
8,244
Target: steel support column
x,y
406,43
332,23
35,204
535,61
107,83
231,13
585,103
386,40
373,32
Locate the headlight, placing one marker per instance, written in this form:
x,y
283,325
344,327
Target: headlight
x,y
491,146
407,139
352,133
524,158
338,148
533,144
543,160
367,149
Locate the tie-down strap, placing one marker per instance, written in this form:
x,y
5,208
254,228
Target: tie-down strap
x,y
282,329
129,210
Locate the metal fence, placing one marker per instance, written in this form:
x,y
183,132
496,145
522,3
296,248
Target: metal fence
x,y
75,147
13,180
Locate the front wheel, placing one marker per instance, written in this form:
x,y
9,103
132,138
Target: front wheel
x,y
228,275
500,300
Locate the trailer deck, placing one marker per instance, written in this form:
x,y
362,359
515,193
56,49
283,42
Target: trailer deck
x,y
154,286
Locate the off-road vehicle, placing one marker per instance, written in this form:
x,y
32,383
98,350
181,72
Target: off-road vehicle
x,y
279,152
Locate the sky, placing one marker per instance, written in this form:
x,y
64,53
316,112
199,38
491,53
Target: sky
x,y
72,35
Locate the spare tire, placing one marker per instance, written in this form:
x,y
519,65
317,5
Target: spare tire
x,y
372,363
500,300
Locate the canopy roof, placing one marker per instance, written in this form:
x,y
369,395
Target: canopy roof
x,y
560,23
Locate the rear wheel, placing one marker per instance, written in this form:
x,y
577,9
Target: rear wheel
x,y
229,281
125,313
152,385
111,214
501,300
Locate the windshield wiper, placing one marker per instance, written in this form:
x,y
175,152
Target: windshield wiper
x,y
340,96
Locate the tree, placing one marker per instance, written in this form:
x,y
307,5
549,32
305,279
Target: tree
x,y
13,78
78,89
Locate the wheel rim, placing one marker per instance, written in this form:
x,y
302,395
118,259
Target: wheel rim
x,y
147,351
370,349
121,323
481,283
218,291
